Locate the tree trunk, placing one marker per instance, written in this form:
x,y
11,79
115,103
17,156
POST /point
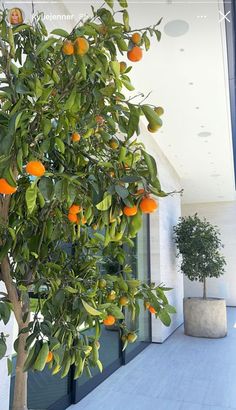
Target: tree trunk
x,y
204,288
20,388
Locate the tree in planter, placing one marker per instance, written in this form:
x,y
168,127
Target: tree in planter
x,y
199,245
66,177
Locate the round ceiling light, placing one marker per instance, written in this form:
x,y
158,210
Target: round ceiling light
x,y
176,28
204,134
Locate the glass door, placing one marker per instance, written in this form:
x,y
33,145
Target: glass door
x,y
139,259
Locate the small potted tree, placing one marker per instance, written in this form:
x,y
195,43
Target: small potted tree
x,y
198,242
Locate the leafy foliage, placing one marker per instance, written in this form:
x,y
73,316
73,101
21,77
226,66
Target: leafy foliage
x,y
46,96
199,245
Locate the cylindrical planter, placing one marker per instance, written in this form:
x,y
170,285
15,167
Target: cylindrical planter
x,y
205,317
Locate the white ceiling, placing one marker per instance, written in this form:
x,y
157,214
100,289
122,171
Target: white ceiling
x,y
188,77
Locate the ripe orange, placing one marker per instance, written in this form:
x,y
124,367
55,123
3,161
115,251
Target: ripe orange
x,y
123,301
81,46
75,137
130,210
148,205
35,168
73,218
75,209
153,128
6,188
123,67
68,48
152,310
49,357
135,54
136,38
99,119
109,321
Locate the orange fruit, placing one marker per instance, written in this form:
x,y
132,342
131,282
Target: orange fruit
x,y
75,137
123,301
49,357
136,38
73,218
109,321
153,129
140,191
123,67
152,310
68,48
159,111
135,54
130,210
147,305
75,209
99,119
111,296
35,168
81,46
6,188
148,205
113,143
102,283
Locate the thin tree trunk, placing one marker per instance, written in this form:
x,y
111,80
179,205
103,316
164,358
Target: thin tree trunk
x,y
19,309
204,288
20,388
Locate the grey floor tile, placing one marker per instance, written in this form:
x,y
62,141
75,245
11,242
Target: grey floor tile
x,y
184,373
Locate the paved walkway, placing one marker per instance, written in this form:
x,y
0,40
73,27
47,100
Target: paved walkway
x,y
184,373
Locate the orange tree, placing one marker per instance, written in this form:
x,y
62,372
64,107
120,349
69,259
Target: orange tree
x,y
67,177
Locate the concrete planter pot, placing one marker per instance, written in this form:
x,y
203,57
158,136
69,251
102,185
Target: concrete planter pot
x,y
205,317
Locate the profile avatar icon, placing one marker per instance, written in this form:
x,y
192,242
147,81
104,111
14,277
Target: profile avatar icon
x,y
16,16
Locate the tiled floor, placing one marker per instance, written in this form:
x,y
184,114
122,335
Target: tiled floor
x,y
184,373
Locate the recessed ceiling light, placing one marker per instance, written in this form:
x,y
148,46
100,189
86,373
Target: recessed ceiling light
x,y
176,28
204,134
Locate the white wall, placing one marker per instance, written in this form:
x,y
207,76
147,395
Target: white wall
x,y
222,214
164,265
4,378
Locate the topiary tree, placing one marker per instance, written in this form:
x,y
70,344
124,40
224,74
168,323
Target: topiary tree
x,y
199,245
67,178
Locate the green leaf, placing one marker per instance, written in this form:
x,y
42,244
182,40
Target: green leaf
x,y
82,66
60,32
5,248
123,3
90,309
110,3
46,188
99,365
30,197
115,67
44,45
164,317
146,41
151,164
126,20
128,84
5,312
151,116
170,309
158,35
133,120
60,145
121,191
105,203
3,348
